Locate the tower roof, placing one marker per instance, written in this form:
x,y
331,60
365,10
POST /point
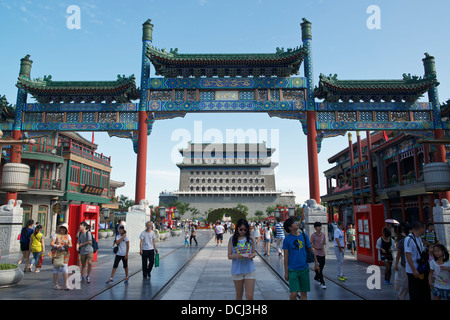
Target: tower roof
x,y
408,89
173,64
46,90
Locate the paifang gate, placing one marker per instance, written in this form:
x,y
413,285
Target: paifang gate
x,y
228,83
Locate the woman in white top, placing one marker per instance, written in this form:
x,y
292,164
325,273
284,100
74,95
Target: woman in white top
x,y
257,233
267,237
123,247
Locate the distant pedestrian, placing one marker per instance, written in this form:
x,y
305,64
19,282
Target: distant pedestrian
x,y
241,251
37,247
25,235
257,233
85,250
439,276
219,232
430,236
351,238
117,227
267,239
402,277
330,231
60,244
296,269
123,247
193,236
186,239
386,245
419,288
318,242
147,249
279,238
339,248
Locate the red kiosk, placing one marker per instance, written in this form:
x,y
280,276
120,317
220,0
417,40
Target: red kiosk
x,y
369,223
77,214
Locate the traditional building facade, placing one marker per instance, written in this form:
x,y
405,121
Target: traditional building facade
x,y
385,167
62,166
216,176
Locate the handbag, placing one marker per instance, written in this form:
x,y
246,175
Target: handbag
x,y
156,260
40,261
309,254
58,260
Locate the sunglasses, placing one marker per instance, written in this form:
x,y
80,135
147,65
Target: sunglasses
x,y
242,229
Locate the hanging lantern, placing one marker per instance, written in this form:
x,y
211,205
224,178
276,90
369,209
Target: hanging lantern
x,y
291,211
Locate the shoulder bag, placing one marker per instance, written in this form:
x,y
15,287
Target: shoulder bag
x,y
309,254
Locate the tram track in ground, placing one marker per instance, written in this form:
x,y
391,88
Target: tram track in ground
x,y
283,280
161,291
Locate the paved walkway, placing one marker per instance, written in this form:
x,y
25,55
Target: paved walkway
x,y
208,277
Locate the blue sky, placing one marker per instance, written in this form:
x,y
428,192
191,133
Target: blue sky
x,y
109,43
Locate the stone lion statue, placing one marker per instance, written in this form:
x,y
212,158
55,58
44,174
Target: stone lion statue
x,y
141,207
313,206
8,208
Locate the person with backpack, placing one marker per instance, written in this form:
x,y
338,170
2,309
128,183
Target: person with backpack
x,y
85,250
416,263
25,235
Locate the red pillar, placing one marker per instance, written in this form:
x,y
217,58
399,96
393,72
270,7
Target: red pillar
x,y
361,179
350,148
16,157
369,154
440,157
313,163
141,167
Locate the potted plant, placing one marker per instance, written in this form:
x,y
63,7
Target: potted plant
x,y
102,234
10,275
163,235
109,232
175,232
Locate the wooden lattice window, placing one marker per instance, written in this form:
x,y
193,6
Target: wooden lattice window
x,y
128,117
247,95
179,95
325,116
207,95
421,116
347,116
191,95
88,116
160,95
263,96
275,95
72,116
382,116
107,117
399,116
366,116
290,95
55,117
33,117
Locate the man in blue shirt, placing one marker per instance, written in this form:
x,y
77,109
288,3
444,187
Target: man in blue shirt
x,y
296,269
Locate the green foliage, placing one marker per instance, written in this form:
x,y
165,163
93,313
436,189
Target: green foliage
x,y
125,203
218,214
7,266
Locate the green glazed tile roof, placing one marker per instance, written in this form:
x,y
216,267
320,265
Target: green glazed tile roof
x,y
45,89
173,64
410,88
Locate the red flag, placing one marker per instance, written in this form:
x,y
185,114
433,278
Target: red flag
x,y
384,134
92,138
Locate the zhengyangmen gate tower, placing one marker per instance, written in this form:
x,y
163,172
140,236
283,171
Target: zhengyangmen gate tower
x,y
218,83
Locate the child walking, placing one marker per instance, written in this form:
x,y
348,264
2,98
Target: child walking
x,y
186,239
440,271
296,269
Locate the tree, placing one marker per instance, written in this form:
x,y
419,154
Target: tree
x,y
242,208
259,214
125,203
270,211
194,212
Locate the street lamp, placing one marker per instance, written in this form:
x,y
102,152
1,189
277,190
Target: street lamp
x,y
277,213
106,213
291,211
162,212
176,214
